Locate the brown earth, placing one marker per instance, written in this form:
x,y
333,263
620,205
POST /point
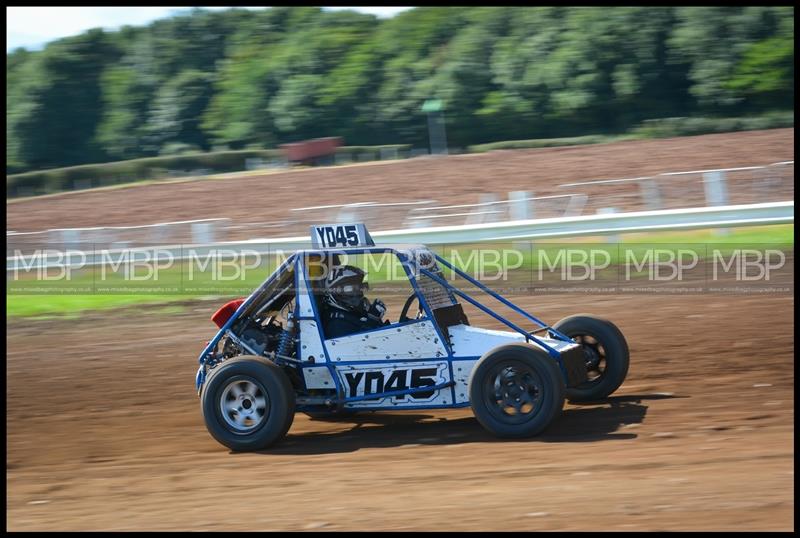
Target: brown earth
x,y
104,432
459,179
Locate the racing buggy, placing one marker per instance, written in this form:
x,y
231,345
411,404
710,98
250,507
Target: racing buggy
x,y
275,353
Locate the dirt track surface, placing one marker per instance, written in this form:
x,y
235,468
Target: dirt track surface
x,y
104,432
457,179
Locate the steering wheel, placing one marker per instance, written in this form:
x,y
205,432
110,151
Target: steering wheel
x,y
407,305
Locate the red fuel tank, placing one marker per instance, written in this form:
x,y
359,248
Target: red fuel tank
x,y
226,311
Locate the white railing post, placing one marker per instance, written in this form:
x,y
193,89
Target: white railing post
x,y
202,232
575,205
478,215
716,193
651,194
715,188
609,211
520,205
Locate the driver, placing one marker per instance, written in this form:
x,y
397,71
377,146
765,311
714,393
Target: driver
x,y
345,309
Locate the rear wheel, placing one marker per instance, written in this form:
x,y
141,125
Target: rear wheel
x,y
247,403
605,353
516,391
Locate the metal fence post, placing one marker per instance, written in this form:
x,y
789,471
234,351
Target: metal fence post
x,y
716,189
519,207
609,211
202,232
479,216
651,194
716,193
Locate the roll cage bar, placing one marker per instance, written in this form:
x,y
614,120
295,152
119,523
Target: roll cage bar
x,y
294,261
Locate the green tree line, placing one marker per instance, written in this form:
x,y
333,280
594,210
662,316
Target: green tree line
x,y
243,79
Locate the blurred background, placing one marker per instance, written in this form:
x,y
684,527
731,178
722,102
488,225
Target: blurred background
x,y
181,126
235,79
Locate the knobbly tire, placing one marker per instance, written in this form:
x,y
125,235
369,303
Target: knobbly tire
x,y
516,391
247,403
605,352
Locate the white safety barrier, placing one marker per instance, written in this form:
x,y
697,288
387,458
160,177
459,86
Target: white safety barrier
x,y
589,225
654,192
200,231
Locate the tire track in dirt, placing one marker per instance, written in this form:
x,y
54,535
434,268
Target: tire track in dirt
x,y
110,436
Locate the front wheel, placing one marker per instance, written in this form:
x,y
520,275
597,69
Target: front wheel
x,y
247,403
605,352
516,391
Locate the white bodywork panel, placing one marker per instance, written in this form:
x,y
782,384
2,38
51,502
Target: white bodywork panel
x,y
417,340
461,373
304,298
388,352
310,344
473,342
359,380
318,378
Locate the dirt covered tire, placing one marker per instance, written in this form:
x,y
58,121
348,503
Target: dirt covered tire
x,y
606,353
516,391
248,403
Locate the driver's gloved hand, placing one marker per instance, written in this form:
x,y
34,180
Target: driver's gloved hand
x,y
378,309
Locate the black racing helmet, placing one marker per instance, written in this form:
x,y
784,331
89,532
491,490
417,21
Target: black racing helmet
x,y
345,286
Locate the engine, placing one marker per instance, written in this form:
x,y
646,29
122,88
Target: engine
x,y
260,336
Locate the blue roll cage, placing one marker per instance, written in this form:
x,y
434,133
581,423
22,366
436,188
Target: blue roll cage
x,y
294,261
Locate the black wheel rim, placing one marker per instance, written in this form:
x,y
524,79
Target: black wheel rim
x,y
594,355
513,392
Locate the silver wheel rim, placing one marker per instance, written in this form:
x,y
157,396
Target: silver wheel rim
x,y
244,405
